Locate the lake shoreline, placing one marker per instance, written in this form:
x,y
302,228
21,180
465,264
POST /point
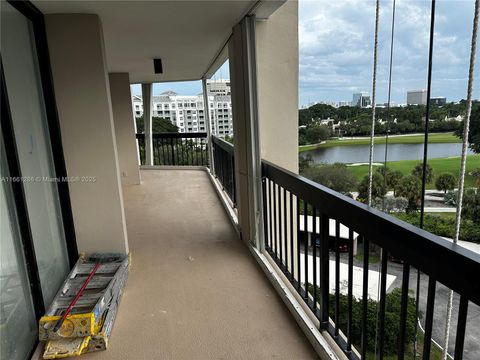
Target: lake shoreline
x,y
392,139
439,165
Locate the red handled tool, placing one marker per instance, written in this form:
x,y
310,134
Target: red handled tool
x,y
75,299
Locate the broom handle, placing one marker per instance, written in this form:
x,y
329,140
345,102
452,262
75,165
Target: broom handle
x,y
75,299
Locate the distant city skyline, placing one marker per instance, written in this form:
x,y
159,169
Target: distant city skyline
x,y
335,51
336,42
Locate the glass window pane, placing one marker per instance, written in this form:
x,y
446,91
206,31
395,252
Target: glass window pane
x,y
18,328
34,152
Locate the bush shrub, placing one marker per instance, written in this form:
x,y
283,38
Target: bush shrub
x,y
392,319
469,230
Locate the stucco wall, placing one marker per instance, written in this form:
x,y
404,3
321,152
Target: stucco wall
x,y
277,83
124,128
83,100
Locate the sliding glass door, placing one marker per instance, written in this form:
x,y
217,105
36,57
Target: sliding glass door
x,y
18,326
30,127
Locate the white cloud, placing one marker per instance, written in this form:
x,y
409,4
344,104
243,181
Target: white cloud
x,y
336,48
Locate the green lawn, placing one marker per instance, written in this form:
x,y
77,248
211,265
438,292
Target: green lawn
x,y
408,139
372,258
439,166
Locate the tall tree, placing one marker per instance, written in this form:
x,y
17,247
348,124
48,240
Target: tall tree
x,y
445,182
378,187
159,125
410,188
418,172
335,176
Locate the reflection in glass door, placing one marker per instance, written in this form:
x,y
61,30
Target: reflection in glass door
x,y
18,327
30,128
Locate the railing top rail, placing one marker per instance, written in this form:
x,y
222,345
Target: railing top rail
x,y
225,145
168,135
450,264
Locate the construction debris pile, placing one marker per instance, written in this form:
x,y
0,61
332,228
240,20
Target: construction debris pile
x,y
81,316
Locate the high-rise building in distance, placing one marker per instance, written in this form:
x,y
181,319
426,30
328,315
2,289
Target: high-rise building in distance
x,y
417,97
438,100
361,99
187,112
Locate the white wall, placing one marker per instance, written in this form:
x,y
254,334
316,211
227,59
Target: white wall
x,y
82,93
277,85
124,128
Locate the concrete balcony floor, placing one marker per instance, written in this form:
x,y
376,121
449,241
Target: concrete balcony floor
x,y
194,291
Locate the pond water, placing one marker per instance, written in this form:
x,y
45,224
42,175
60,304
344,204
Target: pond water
x,y
360,153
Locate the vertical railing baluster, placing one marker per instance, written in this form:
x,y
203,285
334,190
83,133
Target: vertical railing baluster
x,y
205,151
173,151
314,253
195,148
188,151
182,149
382,304
427,339
337,276
232,174
265,210
364,336
156,160
200,151
298,243
270,211
324,271
163,162
461,326
305,247
154,150
284,222
274,238
224,170
350,290
192,150
280,224
403,311
291,238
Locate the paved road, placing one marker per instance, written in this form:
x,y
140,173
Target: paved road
x,y
472,336
440,210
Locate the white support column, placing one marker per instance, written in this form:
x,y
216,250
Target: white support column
x,y
245,121
82,92
277,69
147,122
124,123
206,117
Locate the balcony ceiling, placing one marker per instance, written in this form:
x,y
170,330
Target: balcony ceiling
x,y
186,35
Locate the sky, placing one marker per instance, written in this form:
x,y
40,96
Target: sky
x,y
336,50
184,87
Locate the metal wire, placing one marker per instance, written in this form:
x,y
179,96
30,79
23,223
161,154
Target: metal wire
x,y
374,88
389,100
461,180
425,153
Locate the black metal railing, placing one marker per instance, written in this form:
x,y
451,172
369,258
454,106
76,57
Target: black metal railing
x,y
224,166
176,149
307,227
